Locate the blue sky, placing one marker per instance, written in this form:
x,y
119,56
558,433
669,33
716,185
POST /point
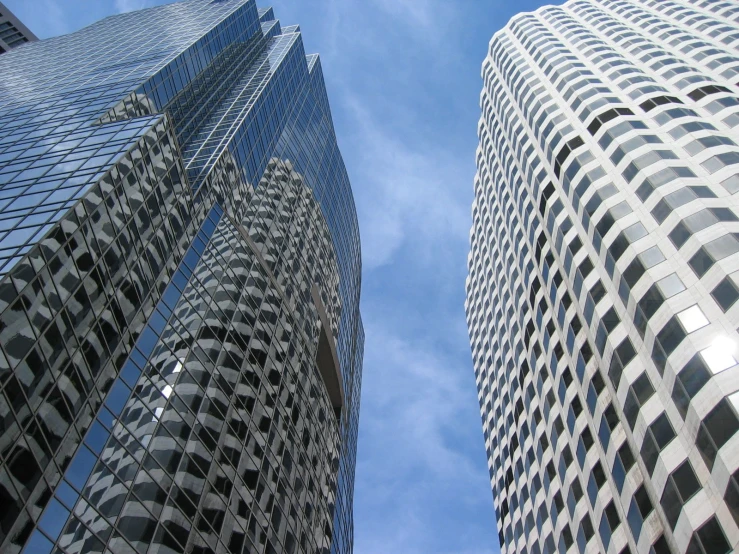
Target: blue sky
x,y
404,81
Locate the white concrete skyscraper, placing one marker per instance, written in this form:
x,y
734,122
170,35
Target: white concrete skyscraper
x,y
604,275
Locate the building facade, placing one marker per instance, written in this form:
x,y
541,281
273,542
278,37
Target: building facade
x,y
12,31
604,275
180,269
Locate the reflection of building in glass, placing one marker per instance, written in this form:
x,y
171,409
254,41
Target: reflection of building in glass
x,y
601,299
180,337
12,31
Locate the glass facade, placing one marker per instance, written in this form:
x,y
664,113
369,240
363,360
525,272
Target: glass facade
x,y
180,337
604,275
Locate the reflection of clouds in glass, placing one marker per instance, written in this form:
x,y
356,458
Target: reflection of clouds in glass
x,y
720,355
285,224
173,330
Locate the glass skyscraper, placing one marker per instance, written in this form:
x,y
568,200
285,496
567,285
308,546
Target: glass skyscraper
x,y
180,337
604,277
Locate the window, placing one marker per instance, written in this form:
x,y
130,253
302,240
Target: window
x,y
658,101
671,335
639,509
660,547
709,539
605,117
659,435
731,184
718,162
574,495
725,294
689,382
671,285
701,262
585,533
566,540
608,523
595,482
639,392
701,144
648,305
731,497
692,319
681,485
720,355
607,424
702,92
622,463
715,431
583,445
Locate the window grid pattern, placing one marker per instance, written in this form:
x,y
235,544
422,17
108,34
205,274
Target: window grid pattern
x,y
176,201
603,277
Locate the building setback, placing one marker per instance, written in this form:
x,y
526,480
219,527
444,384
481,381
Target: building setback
x,y
180,336
12,31
604,274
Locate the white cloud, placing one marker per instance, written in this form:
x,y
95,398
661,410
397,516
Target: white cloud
x,y
425,15
53,20
421,483
420,396
414,449
406,184
367,26
131,5
405,190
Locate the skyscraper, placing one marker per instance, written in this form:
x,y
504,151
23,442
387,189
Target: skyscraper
x,y
12,31
604,275
180,336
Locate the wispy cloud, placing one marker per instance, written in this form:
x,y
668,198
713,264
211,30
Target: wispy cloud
x,y
409,189
51,19
131,5
416,412
422,484
424,15
414,454
408,182
352,30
